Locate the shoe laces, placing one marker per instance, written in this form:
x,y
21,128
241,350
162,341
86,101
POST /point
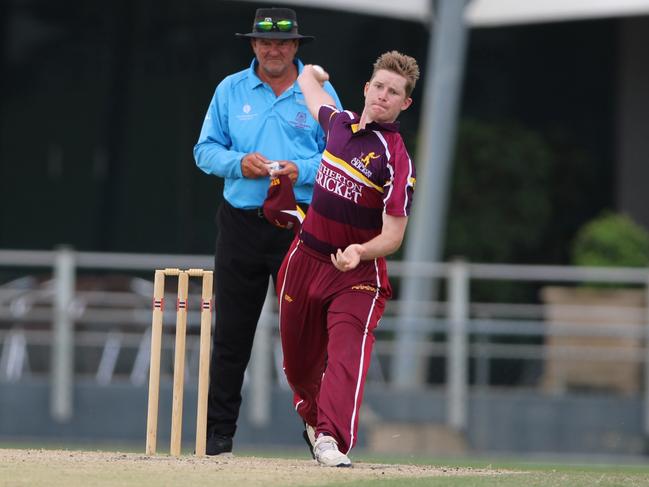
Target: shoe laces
x,y
326,443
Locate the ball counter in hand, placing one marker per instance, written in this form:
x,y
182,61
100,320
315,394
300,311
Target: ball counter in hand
x,y
318,69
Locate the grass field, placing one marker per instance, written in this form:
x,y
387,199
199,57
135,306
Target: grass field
x,y
76,468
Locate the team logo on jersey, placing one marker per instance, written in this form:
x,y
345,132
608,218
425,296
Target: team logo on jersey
x,y
300,121
366,160
288,298
246,108
363,161
364,287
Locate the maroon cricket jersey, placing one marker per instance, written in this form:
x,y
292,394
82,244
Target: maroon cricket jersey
x,y
363,173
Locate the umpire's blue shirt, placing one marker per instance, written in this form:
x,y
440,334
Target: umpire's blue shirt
x,y
245,116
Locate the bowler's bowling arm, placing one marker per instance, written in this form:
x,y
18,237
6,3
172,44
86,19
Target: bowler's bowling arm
x,y
310,82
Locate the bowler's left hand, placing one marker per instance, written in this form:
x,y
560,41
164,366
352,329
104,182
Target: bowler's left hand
x,y
349,259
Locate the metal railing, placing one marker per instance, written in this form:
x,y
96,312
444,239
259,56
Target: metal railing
x,y
54,314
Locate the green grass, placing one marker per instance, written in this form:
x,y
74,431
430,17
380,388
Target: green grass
x,y
537,479
521,472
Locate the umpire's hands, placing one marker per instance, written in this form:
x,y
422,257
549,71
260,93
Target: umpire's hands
x,y
253,166
287,168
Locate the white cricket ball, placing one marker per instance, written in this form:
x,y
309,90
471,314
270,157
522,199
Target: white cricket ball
x,y
273,166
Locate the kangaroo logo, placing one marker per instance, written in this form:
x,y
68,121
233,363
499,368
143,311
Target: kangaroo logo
x,y
367,159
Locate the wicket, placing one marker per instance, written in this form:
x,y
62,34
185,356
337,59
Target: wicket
x,y
179,359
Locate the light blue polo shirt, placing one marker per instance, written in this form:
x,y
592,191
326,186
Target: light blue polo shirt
x,y
245,116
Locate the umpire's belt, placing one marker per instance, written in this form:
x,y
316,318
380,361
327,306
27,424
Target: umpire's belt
x,y
255,212
259,212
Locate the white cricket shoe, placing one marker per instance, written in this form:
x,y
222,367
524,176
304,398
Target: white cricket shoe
x,y
327,454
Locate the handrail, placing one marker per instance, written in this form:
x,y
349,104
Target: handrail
x,y
456,319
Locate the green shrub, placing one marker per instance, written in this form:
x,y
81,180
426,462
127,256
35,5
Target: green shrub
x,y
500,201
611,240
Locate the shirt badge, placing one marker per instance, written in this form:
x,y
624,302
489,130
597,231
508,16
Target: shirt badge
x,y
246,115
366,159
362,163
300,121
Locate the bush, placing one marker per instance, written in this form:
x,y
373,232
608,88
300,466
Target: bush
x,y
611,240
500,201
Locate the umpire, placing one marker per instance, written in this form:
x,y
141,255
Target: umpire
x,y
256,116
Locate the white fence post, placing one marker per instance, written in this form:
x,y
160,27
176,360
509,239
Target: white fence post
x,y
63,336
646,360
261,365
456,359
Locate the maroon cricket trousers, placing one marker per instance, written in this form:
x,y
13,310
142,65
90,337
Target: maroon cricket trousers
x,y
327,318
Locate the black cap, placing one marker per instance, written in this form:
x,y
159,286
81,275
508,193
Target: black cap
x,y
274,15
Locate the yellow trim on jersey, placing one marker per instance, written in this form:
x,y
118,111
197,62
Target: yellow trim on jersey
x,y
352,171
300,213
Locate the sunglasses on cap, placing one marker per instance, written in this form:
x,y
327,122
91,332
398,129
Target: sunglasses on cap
x,y
269,25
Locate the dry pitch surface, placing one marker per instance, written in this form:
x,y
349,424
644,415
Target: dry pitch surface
x,y
51,468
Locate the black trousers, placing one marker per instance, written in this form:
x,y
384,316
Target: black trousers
x,y
248,250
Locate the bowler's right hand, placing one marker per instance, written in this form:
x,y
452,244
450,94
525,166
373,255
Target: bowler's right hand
x,y
253,166
317,72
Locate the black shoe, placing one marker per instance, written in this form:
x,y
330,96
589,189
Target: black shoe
x,y
217,444
309,437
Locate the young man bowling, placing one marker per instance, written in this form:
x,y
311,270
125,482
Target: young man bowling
x,y
333,282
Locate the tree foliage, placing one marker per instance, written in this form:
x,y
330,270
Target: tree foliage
x,y
500,200
611,240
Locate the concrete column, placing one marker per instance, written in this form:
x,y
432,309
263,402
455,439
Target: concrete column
x,y
456,358
633,119
62,381
426,229
260,365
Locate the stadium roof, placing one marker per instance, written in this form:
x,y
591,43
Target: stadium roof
x,y
483,13
486,13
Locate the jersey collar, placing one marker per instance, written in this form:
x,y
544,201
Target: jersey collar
x,y
355,127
